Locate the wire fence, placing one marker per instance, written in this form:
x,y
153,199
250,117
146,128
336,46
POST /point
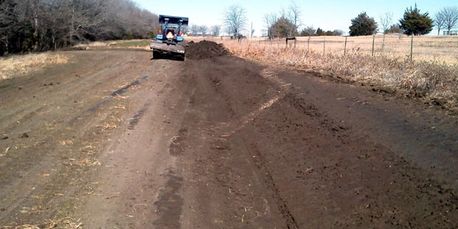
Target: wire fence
x,y
428,48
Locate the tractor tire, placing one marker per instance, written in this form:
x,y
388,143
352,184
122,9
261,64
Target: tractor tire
x,y
155,55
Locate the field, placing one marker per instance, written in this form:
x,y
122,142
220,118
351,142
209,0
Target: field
x,y
111,138
427,48
431,76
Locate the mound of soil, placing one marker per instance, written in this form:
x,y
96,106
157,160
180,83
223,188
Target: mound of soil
x,y
204,50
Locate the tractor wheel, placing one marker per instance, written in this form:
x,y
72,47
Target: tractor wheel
x,y
155,55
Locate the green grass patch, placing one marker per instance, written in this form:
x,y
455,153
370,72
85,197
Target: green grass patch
x,y
135,43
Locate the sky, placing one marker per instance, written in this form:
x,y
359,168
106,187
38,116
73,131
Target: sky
x,y
326,14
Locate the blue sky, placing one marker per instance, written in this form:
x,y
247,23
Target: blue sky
x,y
326,14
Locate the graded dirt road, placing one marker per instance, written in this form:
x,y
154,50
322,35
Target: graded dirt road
x,y
115,140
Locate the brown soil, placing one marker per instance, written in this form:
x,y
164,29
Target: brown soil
x,y
204,50
114,140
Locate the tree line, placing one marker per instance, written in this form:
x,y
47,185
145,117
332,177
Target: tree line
x,y
287,23
40,25
203,30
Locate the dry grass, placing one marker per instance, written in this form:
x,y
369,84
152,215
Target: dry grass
x,y
121,44
19,65
435,82
64,223
428,48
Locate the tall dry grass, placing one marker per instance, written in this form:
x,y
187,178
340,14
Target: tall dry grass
x,y
434,81
19,65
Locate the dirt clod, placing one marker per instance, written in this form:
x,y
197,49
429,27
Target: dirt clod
x,y
205,49
24,135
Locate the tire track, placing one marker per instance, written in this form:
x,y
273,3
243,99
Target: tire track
x,y
282,205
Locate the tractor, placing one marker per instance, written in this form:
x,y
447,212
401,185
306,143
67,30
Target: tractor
x,y
170,40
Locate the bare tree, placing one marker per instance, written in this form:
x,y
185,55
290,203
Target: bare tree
x,y
439,22
194,29
270,20
294,15
450,18
38,25
386,21
215,30
203,29
235,20
308,31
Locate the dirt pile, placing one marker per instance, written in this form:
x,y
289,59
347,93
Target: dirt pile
x,y
204,50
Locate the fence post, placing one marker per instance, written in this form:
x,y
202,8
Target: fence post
x,y
345,48
373,44
324,45
411,48
308,44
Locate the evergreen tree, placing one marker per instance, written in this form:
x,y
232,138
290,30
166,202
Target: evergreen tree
x,y
416,23
363,25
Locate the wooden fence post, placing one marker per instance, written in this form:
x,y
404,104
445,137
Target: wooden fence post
x,y
308,44
324,45
411,48
373,44
345,48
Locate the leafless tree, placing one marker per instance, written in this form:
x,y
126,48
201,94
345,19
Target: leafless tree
x,y
235,20
203,29
439,22
294,15
194,29
386,21
215,30
270,20
37,25
449,17
308,31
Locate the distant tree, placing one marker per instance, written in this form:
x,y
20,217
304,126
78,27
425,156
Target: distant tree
x,y
308,31
215,30
283,27
294,15
449,17
270,19
416,23
194,29
394,29
235,20
329,33
337,32
319,32
363,25
439,22
386,21
203,30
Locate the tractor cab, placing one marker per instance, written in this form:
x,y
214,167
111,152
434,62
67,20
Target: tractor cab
x,y
170,40
172,29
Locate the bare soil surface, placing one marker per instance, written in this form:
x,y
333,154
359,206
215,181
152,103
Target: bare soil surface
x,y
116,140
